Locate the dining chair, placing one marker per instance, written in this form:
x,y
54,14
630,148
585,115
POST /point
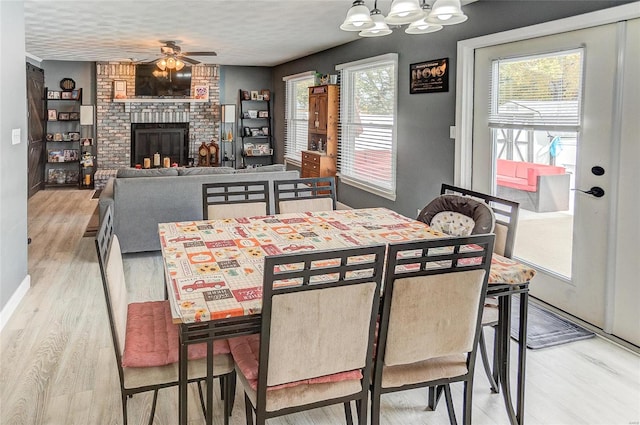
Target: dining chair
x,y
306,194
235,199
506,221
318,323
431,317
145,340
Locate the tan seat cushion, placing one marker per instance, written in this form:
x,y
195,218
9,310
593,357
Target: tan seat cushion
x,y
428,370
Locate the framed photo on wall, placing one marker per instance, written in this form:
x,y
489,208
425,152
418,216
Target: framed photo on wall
x,y
429,77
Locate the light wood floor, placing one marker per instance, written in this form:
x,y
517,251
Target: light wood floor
x,y
57,364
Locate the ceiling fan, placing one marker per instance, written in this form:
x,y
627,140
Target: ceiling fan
x,y
174,58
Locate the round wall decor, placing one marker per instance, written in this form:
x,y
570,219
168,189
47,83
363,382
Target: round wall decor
x,y
67,84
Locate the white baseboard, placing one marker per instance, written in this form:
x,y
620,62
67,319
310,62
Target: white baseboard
x,y
14,301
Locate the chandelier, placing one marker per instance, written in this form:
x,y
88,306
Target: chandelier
x,y
170,62
422,17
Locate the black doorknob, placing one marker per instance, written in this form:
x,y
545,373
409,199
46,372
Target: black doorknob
x,y
597,170
596,191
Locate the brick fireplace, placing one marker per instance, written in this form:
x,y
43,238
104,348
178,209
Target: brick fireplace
x,y
115,119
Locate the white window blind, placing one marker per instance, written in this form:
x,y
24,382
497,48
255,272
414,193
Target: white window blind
x,y
296,114
542,92
368,103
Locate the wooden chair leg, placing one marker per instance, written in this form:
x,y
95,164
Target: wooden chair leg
x,y
485,363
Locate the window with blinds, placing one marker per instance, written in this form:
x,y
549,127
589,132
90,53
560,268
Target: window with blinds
x,y
296,115
542,92
368,104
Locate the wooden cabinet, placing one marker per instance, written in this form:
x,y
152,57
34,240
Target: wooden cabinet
x,y
315,164
319,160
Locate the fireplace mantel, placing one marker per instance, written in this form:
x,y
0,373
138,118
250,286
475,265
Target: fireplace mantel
x,y
161,100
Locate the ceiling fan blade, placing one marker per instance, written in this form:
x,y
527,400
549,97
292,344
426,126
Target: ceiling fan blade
x,y
200,53
191,61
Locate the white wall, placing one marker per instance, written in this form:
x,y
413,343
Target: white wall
x,y
13,158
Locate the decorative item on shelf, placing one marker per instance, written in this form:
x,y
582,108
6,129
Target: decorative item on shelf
x,y
156,159
263,114
316,78
74,136
420,15
213,153
147,163
67,84
254,94
63,116
229,136
201,92
203,155
52,115
119,89
75,94
138,167
246,95
49,137
57,137
87,160
66,95
252,113
86,141
74,116
266,94
53,95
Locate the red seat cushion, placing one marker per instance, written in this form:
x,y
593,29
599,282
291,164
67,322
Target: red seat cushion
x,y
246,350
152,337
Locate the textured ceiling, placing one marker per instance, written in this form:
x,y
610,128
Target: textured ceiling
x,y
242,32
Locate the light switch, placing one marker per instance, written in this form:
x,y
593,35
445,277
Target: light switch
x,y
15,136
452,132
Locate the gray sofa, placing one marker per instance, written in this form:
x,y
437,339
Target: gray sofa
x,y
140,199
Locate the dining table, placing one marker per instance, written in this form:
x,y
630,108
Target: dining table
x,y
214,277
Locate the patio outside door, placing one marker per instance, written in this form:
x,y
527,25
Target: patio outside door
x,y
584,246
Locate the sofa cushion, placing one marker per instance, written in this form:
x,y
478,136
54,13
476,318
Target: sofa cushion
x,y
151,172
263,169
204,171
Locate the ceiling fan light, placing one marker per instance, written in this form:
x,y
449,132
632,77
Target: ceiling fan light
x,y
380,27
358,18
179,65
162,64
171,63
404,12
447,12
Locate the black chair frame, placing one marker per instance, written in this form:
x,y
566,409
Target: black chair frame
x,y
506,213
448,264
376,269
103,244
304,188
234,193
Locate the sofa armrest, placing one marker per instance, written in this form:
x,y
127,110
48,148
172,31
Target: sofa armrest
x,y
106,199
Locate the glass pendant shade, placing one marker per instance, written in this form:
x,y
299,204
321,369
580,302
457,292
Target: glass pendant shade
x,y
162,64
179,65
171,63
358,18
447,12
422,27
404,12
380,27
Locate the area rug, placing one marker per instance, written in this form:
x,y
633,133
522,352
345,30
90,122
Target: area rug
x,y
544,328
92,226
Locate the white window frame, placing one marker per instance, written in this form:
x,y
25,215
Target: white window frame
x,y
346,103
290,105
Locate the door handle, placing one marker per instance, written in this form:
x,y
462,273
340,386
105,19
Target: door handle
x,y
596,191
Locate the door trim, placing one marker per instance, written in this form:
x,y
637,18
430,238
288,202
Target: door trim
x,y
466,63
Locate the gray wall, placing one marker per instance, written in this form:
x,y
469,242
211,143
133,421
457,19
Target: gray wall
x,y
425,151
234,78
13,158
